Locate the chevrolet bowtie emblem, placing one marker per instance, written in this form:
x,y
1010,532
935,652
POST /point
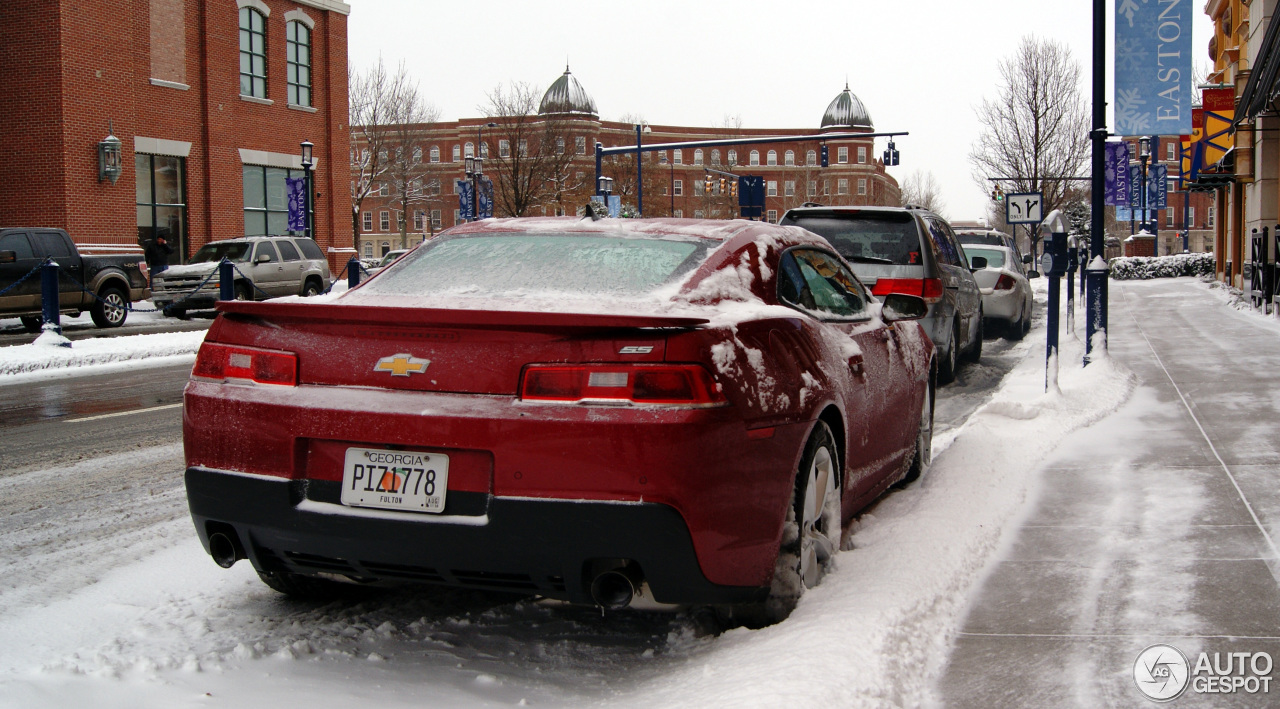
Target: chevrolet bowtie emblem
x,y
402,365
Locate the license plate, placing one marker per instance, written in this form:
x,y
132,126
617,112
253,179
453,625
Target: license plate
x,y
395,480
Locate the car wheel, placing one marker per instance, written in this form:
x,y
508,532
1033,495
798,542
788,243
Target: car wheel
x,y
110,308
947,371
32,323
1026,323
975,350
924,439
312,288
243,291
1015,330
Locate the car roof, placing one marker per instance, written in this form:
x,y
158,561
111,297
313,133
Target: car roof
x,y
859,209
715,229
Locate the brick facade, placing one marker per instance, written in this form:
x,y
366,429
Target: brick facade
x,y
160,73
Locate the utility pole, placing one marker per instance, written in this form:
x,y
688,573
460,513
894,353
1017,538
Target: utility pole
x,y
1096,279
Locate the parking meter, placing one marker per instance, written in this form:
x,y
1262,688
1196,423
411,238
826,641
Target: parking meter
x,y
1054,265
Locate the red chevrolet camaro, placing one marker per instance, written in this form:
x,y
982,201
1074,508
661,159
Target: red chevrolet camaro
x,y
687,412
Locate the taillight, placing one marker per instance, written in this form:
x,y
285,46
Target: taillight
x,y
218,361
669,384
1005,283
930,289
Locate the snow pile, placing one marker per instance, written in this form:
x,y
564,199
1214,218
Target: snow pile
x,y
1131,268
40,359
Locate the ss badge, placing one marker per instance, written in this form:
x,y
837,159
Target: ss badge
x,y
636,349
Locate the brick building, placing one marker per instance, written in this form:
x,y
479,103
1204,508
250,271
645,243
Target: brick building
x,y
674,180
210,100
1189,209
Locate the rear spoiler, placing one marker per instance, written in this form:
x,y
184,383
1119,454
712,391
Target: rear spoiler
x,y
442,317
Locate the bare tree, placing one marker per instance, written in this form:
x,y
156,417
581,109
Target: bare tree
x,y
1036,130
411,118
376,99
922,189
534,152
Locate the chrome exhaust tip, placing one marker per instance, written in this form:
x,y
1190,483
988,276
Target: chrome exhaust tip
x,y
224,551
615,588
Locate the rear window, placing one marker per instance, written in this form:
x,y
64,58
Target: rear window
x,y
981,238
571,264
860,238
994,257
216,252
309,249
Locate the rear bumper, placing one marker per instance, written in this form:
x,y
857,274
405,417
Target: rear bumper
x,y
545,547
1001,305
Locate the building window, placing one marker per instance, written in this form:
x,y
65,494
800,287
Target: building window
x,y
862,154
457,217
298,59
754,157
811,157
386,248
1210,216
697,188
697,214
772,157
366,221
789,157
1169,153
523,147
560,145
773,188
384,221
715,156
162,201
678,214
826,188
772,215
469,150
435,153
862,185
368,248
733,157
418,222
697,156
842,155
813,188
790,188
457,153
842,186
677,188
1191,217
580,144
253,53
266,201
677,156
382,189
662,157
435,220
504,148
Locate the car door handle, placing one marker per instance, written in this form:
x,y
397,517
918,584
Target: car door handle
x,y
855,365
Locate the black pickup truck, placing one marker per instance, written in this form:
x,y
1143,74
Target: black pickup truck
x,y
116,280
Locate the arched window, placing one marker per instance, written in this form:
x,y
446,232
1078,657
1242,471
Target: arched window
x,y
697,156
298,63
772,157
435,153
733,157
253,53
417,155
715,156
755,157
811,157
469,150
789,157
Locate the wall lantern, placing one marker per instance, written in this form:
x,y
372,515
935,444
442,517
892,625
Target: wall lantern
x,y
109,160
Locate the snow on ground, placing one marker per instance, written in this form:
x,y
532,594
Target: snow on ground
x,y
159,625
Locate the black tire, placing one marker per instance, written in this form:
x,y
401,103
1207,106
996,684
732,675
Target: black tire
x,y
974,353
950,361
308,588
311,288
32,323
243,291
1026,323
110,308
810,534
1016,330
923,455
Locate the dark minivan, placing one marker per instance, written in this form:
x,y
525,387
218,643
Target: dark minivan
x,y
912,251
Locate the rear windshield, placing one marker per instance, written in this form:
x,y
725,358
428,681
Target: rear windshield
x,y
981,238
994,257
571,264
886,238
216,252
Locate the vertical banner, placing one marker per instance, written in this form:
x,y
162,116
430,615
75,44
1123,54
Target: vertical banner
x,y
466,201
615,206
1153,67
296,190
1135,186
1117,173
486,198
1158,187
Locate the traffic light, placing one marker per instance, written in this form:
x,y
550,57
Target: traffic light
x,y
710,181
890,155
723,185
733,188
997,194
824,156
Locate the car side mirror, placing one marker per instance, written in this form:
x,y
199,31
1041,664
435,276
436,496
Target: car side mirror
x,y
899,306
977,263
262,258
8,256
1033,273
1026,259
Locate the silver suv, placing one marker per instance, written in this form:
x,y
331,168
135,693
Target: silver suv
x,y
265,267
912,251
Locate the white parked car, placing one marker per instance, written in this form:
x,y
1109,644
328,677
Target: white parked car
x,y
1006,293
388,260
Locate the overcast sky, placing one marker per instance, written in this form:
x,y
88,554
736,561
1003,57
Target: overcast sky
x,y
918,65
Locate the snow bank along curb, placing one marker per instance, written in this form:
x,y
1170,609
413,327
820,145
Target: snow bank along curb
x,y
1131,268
876,631
39,359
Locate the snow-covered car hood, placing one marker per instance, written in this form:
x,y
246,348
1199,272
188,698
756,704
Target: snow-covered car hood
x,y
190,269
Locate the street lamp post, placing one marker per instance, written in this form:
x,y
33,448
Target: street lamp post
x,y
307,162
1144,154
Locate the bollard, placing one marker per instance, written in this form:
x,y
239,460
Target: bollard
x,y
49,296
353,272
1097,273
1073,263
226,282
1053,264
